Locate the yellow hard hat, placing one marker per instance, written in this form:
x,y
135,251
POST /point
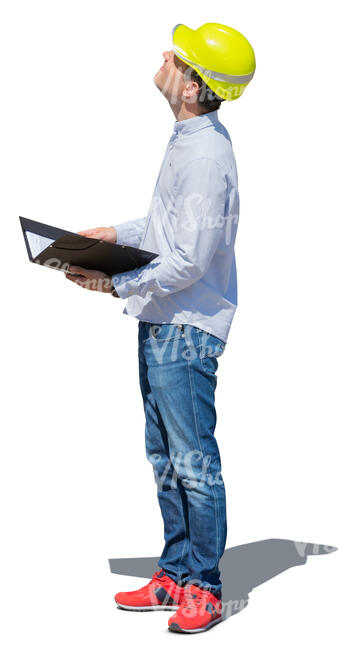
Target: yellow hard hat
x,y
221,56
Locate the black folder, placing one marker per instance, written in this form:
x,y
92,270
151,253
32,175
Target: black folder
x,y
57,249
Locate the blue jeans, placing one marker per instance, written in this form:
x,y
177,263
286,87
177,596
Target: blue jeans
x,y
177,371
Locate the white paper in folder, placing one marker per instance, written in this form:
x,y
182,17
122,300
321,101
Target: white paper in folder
x,y
37,243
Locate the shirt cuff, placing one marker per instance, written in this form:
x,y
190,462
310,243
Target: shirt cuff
x,y
129,233
120,282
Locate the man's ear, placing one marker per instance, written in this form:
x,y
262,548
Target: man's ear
x,y
191,91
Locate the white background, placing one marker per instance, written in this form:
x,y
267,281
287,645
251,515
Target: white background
x,y
83,133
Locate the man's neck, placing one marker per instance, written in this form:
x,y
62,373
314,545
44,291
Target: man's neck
x,y
184,111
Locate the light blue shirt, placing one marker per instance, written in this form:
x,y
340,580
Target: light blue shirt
x,y
191,224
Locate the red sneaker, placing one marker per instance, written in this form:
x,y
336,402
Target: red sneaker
x,y
160,593
198,611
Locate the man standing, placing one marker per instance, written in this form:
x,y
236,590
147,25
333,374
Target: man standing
x,y
185,300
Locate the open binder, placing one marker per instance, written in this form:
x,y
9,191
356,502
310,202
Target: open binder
x,y
58,249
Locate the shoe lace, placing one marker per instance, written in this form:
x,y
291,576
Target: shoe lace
x,y
159,576
191,601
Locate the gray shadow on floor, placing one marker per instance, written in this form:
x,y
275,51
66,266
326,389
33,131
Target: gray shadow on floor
x,y
242,567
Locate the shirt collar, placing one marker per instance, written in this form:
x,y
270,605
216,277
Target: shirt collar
x,y
195,123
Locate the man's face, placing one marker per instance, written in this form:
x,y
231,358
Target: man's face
x,y
171,81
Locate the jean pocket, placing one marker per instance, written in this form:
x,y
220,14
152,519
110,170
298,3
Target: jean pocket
x,y
209,348
209,345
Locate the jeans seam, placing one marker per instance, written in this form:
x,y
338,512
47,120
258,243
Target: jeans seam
x,y
182,557
196,418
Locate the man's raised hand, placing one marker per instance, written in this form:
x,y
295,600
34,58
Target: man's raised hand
x,y
105,233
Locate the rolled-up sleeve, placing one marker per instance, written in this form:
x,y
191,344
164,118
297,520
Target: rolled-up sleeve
x,y
200,197
130,233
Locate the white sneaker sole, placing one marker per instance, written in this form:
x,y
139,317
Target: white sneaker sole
x,y
151,608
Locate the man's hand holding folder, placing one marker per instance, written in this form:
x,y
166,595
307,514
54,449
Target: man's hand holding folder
x,y
94,259
90,278
104,233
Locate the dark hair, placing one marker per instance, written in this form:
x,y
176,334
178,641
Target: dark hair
x,y
206,96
